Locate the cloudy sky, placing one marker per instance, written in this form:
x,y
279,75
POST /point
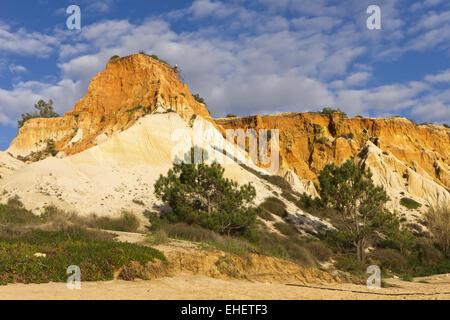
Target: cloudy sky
x,y
243,56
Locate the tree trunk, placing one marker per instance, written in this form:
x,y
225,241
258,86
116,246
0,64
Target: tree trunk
x,y
360,251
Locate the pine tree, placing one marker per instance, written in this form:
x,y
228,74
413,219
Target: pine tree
x,y
350,190
199,194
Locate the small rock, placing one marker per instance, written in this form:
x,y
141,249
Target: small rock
x,y
40,255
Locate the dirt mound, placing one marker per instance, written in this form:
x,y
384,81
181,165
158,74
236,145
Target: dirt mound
x,y
220,265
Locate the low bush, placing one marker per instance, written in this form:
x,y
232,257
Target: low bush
x,y
438,222
199,99
275,206
266,215
330,111
409,203
350,263
127,222
98,259
286,229
14,215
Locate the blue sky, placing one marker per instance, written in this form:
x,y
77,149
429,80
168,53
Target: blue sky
x,y
244,57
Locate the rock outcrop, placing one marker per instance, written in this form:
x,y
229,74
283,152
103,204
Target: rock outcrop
x,y
127,89
310,141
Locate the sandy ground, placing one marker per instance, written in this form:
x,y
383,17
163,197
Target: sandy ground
x,y
203,288
186,286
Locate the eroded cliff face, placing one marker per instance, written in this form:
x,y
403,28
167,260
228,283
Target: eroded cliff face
x,y
127,89
310,141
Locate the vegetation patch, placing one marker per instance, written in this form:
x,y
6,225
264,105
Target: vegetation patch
x,y
409,203
98,259
286,229
198,98
275,206
330,111
44,110
200,195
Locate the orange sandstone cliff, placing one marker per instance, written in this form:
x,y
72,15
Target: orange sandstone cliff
x,y
137,85
310,141
127,89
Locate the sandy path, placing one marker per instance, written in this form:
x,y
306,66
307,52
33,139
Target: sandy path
x,y
200,287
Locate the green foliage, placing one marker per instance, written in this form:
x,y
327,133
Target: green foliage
x,y
154,56
350,190
199,194
12,214
199,99
351,263
45,111
438,221
275,206
330,111
266,215
286,229
231,115
114,57
409,203
97,259
307,202
395,236
126,222
447,126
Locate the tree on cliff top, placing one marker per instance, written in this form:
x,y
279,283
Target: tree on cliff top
x,y
45,111
350,190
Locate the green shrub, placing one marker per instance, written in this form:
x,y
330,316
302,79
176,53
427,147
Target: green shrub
x,y
193,233
286,229
286,248
330,111
114,57
45,111
275,206
266,215
319,250
350,190
307,202
438,221
199,194
389,259
159,237
15,202
97,259
409,203
199,99
351,263
127,222
231,116
15,215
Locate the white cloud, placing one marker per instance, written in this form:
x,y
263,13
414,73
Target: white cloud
x,y
441,77
273,63
17,69
23,42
